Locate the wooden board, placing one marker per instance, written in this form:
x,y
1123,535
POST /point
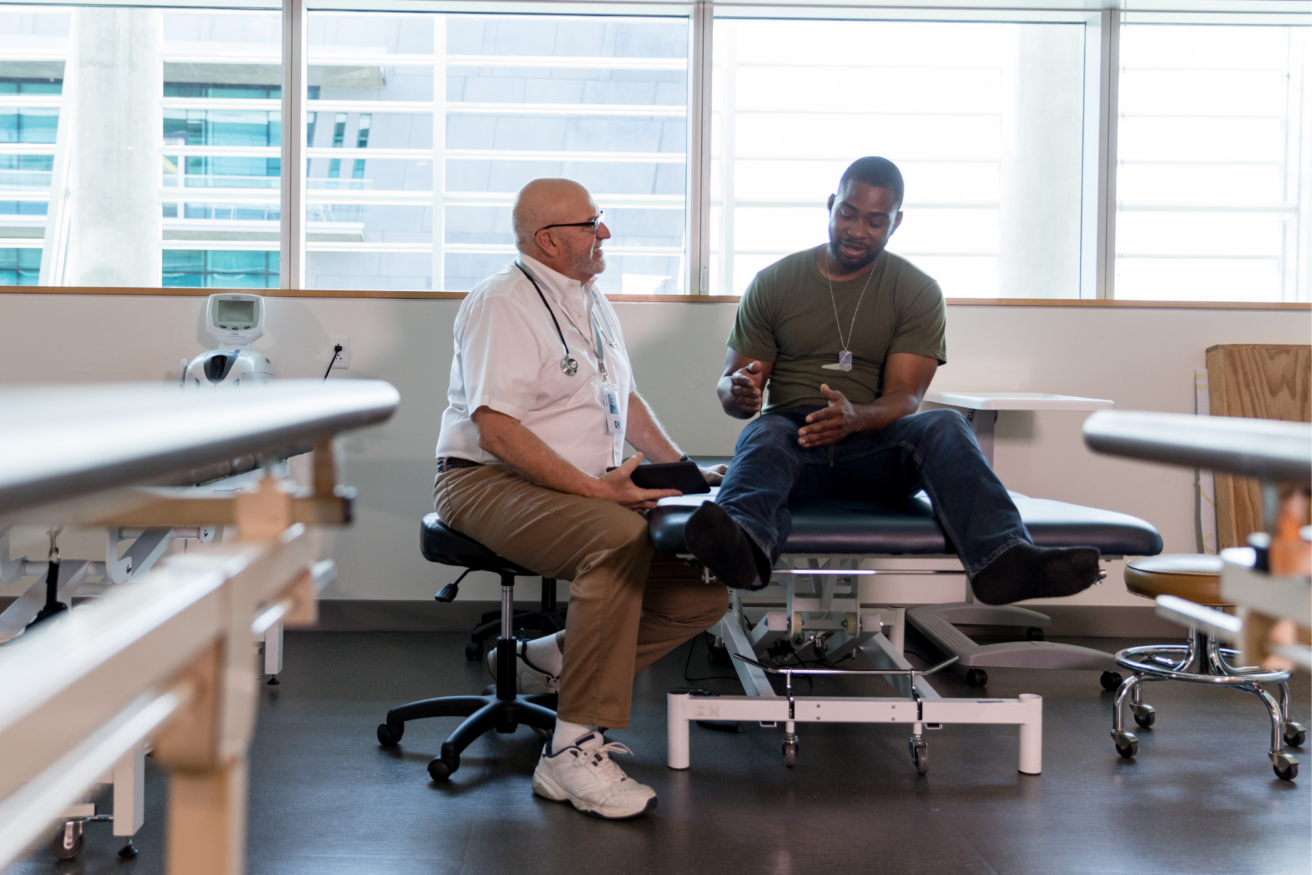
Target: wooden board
x,y
1264,382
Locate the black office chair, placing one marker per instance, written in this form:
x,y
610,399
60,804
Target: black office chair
x,y
503,710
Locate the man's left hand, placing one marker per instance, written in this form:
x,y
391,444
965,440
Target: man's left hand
x,y
831,425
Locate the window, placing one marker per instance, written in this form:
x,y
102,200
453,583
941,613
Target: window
x,y
222,269
442,118
178,141
984,120
1211,152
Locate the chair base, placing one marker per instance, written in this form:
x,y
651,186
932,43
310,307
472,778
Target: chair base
x,y
483,714
1203,661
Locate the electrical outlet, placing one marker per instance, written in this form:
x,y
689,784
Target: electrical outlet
x,y
343,358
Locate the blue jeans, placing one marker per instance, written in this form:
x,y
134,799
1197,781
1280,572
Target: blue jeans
x,y
934,451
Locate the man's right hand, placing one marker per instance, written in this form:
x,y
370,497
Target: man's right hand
x,y
618,486
745,384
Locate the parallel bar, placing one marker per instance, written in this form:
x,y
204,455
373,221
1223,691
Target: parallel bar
x,y
294,76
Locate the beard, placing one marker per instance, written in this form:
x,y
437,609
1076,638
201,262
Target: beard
x,y
590,260
848,263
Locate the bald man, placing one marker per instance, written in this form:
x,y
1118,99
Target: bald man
x,y
540,405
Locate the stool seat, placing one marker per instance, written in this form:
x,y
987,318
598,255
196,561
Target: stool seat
x,y
1192,576
443,544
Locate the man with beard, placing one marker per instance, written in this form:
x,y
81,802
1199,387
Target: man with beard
x,y
540,404
843,340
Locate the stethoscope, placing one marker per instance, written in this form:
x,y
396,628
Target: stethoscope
x,y
569,365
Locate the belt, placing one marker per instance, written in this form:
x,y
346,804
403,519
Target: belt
x,y
450,463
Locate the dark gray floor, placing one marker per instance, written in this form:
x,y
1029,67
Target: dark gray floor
x,y
326,799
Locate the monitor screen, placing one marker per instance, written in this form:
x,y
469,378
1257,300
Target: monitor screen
x,y
235,311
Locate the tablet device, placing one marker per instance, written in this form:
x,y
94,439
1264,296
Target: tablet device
x,y
683,476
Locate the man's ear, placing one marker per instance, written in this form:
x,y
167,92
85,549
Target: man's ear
x,y
897,220
547,243
829,204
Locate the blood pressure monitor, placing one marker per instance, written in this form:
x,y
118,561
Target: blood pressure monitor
x,y
235,319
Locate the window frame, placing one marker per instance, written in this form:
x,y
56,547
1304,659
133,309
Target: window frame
x,y
1099,162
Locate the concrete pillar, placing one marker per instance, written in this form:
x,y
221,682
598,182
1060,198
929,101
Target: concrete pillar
x,y
116,148
1040,206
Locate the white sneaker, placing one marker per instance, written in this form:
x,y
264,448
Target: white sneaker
x,y
584,775
529,678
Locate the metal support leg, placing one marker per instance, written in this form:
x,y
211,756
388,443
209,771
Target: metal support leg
x,y
273,652
676,727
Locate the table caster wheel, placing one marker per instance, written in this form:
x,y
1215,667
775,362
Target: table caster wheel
x,y
1126,744
1111,681
473,652
790,752
920,756
1144,715
65,844
977,677
1285,766
1294,734
389,734
440,770
1033,633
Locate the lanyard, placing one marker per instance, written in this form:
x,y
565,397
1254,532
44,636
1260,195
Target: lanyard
x,y
570,365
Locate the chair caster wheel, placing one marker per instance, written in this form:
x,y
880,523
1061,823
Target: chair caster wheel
x,y
473,652
1033,633
977,677
1285,766
718,652
389,734
1126,744
1111,681
1294,734
790,752
440,770
65,851
1144,715
920,756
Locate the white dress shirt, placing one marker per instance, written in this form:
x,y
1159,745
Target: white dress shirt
x,y
508,358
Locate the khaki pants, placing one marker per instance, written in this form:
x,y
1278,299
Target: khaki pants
x,y
628,604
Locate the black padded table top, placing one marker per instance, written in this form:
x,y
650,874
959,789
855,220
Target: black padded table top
x,y
843,526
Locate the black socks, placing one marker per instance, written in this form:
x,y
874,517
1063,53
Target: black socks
x,y
721,545
1028,572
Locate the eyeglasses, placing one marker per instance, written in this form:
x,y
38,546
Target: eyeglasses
x,y
590,224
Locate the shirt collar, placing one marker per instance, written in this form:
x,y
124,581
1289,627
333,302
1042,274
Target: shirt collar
x,y
559,284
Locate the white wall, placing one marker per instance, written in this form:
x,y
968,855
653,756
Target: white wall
x,y
1142,359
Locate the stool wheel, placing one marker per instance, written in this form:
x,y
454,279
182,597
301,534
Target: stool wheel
x,y
1144,715
473,652
977,677
1111,681
440,770
1294,734
1033,633
1285,766
1126,744
389,734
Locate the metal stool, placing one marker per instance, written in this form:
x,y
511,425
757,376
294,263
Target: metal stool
x,y
1201,660
503,710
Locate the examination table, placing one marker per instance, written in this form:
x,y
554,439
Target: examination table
x,y
829,543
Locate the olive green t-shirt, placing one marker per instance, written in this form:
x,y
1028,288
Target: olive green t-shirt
x,y
787,317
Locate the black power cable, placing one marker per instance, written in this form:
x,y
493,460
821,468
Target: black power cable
x,y
337,348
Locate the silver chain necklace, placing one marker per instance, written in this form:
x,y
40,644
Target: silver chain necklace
x,y
845,354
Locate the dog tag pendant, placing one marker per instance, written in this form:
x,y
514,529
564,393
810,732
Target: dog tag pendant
x,y
845,360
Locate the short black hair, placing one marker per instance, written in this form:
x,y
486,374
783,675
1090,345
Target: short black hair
x,y
879,172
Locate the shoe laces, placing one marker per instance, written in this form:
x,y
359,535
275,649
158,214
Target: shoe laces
x,y
598,758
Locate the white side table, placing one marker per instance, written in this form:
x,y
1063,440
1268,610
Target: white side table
x,y
981,408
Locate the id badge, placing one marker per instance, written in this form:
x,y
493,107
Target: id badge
x,y
610,396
